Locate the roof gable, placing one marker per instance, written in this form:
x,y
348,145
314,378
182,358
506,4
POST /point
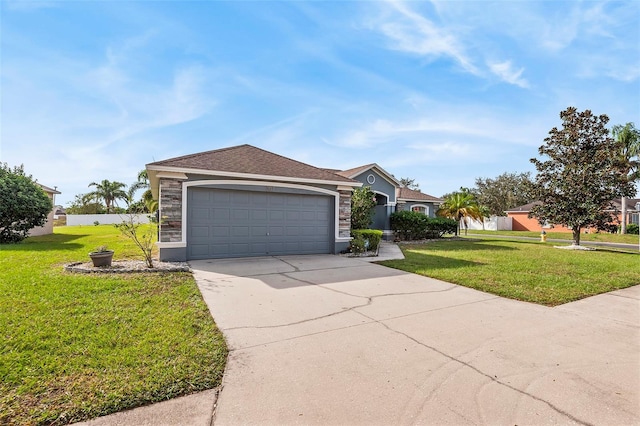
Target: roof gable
x,y
357,171
247,159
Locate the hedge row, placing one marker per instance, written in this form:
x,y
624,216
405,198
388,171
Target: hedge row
x,y
409,225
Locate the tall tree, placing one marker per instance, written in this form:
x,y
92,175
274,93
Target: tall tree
x,y
629,138
410,183
460,206
23,204
505,192
109,192
578,182
85,204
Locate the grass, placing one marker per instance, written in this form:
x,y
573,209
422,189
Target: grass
x,y
78,346
527,271
599,237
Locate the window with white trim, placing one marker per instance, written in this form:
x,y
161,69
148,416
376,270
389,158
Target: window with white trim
x,y
420,208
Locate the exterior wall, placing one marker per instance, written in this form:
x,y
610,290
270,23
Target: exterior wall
x,y
381,185
170,210
47,228
344,215
520,222
104,219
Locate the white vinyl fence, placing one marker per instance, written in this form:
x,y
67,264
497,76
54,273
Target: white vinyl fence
x,y
104,219
494,223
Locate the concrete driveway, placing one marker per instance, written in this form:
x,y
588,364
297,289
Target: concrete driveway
x,y
330,340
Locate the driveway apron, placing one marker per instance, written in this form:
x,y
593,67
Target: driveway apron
x,y
331,340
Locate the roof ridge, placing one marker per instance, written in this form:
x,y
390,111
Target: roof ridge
x,y
184,157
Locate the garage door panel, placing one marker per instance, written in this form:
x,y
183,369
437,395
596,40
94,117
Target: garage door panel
x,y
259,214
240,214
232,223
200,232
240,231
202,197
199,249
220,213
200,215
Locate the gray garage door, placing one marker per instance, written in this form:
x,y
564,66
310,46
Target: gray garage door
x,y
230,223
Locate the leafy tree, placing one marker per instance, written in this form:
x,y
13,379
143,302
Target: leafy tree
x,y
629,138
410,183
505,192
23,204
85,204
578,182
109,192
363,200
460,206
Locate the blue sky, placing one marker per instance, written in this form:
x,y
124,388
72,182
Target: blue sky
x,y
442,92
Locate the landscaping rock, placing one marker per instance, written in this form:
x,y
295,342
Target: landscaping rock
x,y
127,266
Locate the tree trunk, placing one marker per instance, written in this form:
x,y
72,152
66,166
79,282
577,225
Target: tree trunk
x,y
623,223
576,236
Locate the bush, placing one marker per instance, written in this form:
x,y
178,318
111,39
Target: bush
x,y
365,240
409,225
23,204
363,200
632,228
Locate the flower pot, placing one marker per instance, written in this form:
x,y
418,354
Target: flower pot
x,y
101,258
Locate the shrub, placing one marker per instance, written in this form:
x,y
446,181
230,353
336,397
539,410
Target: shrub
x,y
365,240
409,225
632,228
23,204
363,200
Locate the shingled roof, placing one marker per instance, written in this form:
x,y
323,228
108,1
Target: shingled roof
x,y
248,159
411,195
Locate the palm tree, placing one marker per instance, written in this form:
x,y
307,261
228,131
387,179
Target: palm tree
x,y
460,206
629,137
109,192
485,213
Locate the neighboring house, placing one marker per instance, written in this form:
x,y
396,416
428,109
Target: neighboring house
x,y
244,201
58,211
522,222
47,228
391,196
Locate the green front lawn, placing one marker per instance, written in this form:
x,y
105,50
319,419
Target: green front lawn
x,y
78,346
528,271
601,237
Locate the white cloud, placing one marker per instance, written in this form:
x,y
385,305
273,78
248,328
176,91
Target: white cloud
x,y
505,71
414,33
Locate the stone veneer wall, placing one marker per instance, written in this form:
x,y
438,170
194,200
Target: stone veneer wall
x,y
344,215
170,210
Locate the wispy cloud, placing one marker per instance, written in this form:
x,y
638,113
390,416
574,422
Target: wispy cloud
x,y
414,33
505,71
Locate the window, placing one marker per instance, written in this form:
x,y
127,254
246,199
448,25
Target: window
x,y
420,208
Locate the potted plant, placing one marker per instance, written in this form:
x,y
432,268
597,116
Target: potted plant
x,y
101,256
